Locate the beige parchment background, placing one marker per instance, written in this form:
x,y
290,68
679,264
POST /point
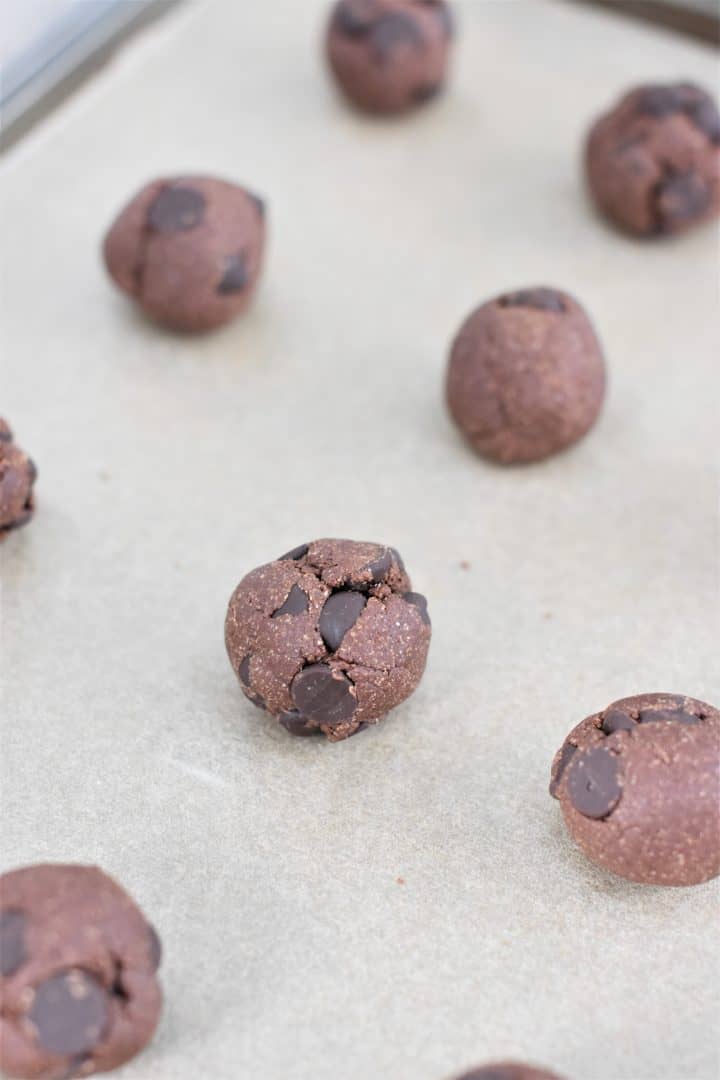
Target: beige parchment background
x,y
169,467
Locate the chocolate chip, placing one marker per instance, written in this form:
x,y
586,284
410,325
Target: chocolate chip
x,y
380,567
296,603
593,783
392,30
340,613
156,949
418,601
659,101
296,724
398,559
70,1012
681,198
295,554
353,18
427,92
12,941
706,118
617,720
236,275
542,299
176,209
566,754
678,716
324,695
244,670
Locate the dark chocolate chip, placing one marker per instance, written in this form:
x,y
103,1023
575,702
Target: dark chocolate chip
x,y
566,755
705,116
427,92
680,198
297,602
176,209
324,696
295,554
393,30
156,949
70,1012
418,600
541,299
380,567
244,670
398,559
353,18
340,613
678,716
296,724
659,101
593,783
12,941
617,720
236,275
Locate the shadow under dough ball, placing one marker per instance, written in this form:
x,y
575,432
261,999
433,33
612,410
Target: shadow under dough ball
x,y
653,161
526,376
17,478
509,1070
328,638
188,250
639,788
390,55
78,963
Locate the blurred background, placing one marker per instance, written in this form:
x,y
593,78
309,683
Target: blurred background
x,y
49,47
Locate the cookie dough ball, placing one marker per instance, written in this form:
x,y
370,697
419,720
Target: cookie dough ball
x,y
189,250
526,376
653,161
78,963
508,1070
17,477
390,55
639,788
329,637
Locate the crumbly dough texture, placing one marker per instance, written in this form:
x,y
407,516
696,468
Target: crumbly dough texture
x,y
389,56
526,375
653,161
188,250
328,638
639,788
508,1070
78,963
17,478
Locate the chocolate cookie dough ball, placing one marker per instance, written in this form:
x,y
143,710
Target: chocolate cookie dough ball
x,y
78,964
188,250
17,477
639,788
390,55
329,637
653,161
526,376
508,1070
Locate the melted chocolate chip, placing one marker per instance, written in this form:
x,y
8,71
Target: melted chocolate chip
x,y
297,602
176,209
236,275
593,782
295,554
244,670
393,30
156,949
296,724
381,566
541,299
617,720
70,1012
566,754
324,696
340,613
418,601
678,716
680,198
12,941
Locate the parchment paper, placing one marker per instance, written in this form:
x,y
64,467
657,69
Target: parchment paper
x,y
169,467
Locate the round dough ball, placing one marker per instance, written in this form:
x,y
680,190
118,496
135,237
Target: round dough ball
x,y
526,375
78,964
639,788
509,1070
329,637
653,161
17,477
390,55
188,250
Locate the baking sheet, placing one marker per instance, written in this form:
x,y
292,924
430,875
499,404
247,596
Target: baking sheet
x,y
407,903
